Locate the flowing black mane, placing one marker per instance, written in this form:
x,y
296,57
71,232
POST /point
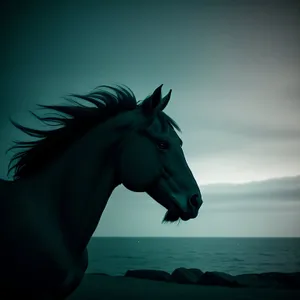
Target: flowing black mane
x,y
73,121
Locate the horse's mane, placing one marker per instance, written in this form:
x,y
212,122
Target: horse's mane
x,y
74,121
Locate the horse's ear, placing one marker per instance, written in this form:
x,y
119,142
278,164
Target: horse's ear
x,y
152,103
165,101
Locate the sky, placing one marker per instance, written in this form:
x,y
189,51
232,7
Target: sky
x,y
234,71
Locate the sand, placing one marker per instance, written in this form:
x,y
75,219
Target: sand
x,y
103,287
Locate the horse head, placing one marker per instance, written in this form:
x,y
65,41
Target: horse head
x,y
152,161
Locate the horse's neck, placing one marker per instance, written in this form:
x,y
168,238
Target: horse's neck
x,y
78,185
88,177
84,202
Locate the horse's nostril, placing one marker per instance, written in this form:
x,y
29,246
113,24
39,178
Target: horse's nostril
x,y
194,200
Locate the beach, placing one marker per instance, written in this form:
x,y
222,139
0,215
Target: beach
x,y
94,287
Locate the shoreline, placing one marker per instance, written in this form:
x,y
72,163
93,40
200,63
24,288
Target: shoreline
x,y
97,286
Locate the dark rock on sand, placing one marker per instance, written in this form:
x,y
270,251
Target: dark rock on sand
x,y
149,274
187,276
218,278
102,274
121,288
270,280
273,280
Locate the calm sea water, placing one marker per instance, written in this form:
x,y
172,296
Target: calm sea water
x,y
115,256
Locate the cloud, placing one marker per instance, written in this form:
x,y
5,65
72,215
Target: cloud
x,y
279,190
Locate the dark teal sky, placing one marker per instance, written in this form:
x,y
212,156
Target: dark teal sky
x,y
234,71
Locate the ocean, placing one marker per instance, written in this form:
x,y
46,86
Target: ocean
x,y
114,256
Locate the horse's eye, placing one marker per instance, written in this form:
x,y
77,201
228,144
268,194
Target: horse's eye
x,y
162,145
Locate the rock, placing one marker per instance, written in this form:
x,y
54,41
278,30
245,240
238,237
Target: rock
x,y
290,280
102,274
196,276
270,280
218,278
197,272
149,274
188,276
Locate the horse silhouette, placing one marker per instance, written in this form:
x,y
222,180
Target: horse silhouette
x,y
63,180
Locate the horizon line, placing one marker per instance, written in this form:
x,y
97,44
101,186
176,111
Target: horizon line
x,y
218,237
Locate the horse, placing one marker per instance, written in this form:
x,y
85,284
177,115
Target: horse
x,y
63,179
